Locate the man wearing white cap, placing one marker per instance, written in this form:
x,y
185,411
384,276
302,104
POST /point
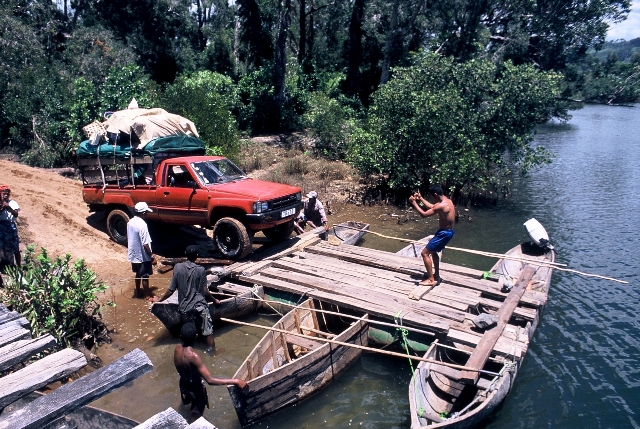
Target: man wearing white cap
x,y
313,212
139,249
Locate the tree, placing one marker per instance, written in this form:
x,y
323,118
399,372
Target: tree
x,y
203,99
459,124
256,39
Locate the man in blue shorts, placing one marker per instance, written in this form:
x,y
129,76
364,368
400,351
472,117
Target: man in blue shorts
x,y
446,212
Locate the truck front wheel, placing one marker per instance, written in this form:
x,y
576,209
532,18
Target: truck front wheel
x,y
117,226
232,238
279,232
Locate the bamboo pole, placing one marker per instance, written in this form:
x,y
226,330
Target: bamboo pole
x,y
357,346
554,265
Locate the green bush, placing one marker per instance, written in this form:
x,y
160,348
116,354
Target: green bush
x,y
57,297
458,124
330,126
205,99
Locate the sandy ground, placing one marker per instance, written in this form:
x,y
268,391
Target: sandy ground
x,y
53,216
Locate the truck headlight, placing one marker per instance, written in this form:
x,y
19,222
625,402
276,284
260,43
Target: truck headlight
x,y
260,207
299,196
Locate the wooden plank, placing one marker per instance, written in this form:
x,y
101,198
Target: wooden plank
x,y
199,261
167,419
365,294
417,263
419,292
331,272
399,280
11,332
78,393
232,288
480,355
21,350
48,369
13,317
307,343
256,268
505,347
454,374
410,318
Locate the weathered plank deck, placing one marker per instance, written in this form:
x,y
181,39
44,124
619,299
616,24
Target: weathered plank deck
x,y
52,410
170,419
78,393
381,284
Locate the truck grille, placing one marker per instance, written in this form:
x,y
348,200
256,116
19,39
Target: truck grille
x,y
282,202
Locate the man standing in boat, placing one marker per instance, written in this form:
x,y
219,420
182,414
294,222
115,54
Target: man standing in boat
x,y
446,212
191,281
193,373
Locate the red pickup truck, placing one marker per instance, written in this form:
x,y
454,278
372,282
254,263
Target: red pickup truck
x,y
209,191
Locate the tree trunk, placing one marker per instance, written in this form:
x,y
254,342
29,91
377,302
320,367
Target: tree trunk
x,y
302,45
389,45
281,53
355,47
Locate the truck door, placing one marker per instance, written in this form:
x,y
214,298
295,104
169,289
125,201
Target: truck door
x,y
178,201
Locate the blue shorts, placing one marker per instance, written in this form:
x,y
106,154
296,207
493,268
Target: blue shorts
x,y
440,240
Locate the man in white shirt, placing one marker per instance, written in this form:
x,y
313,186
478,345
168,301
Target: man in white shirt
x,y
139,249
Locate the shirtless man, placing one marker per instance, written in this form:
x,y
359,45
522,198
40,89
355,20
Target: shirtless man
x,y
193,373
446,212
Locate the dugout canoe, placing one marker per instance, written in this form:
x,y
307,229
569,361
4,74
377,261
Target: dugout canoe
x,y
284,368
439,397
236,301
349,232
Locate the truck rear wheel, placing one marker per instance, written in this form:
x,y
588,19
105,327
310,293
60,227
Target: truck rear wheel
x,y
279,232
232,238
117,226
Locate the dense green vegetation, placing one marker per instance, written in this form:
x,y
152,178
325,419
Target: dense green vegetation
x,y
56,296
611,75
412,92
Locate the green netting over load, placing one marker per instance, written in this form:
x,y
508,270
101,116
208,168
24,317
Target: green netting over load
x,y
180,144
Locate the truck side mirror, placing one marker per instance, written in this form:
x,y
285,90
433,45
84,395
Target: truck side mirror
x,y
192,184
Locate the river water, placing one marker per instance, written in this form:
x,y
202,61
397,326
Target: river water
x,y
583,366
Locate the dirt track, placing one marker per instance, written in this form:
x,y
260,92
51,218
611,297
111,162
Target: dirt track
x,y
53,216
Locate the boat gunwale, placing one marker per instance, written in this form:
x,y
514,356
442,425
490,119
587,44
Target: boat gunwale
x,y
499,392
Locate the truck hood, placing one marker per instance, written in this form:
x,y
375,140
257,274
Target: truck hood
x,y
257,190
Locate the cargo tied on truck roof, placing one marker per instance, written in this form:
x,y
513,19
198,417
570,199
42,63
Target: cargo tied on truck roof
x,y
162,162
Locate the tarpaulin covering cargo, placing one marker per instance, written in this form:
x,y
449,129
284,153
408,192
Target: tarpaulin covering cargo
x,y
176,144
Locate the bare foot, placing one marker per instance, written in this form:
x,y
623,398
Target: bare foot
x,y
428,282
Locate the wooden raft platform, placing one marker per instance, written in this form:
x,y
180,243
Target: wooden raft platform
x,y
17,346
380,283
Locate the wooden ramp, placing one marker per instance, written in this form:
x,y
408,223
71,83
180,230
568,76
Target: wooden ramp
x,y
384,285
17,346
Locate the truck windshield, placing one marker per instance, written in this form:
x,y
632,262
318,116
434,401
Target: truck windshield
x,y
219,171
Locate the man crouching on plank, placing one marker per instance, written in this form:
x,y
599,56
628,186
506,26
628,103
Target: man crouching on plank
x,y
446,212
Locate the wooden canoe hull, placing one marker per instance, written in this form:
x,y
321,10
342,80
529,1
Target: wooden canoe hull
x,y
430,397
292,381
240,306
427,401
346,234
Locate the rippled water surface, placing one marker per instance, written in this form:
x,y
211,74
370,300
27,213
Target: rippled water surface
x,y
583,367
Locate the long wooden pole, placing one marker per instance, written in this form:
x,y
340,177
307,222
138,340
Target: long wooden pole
x,y
554,265
356,346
